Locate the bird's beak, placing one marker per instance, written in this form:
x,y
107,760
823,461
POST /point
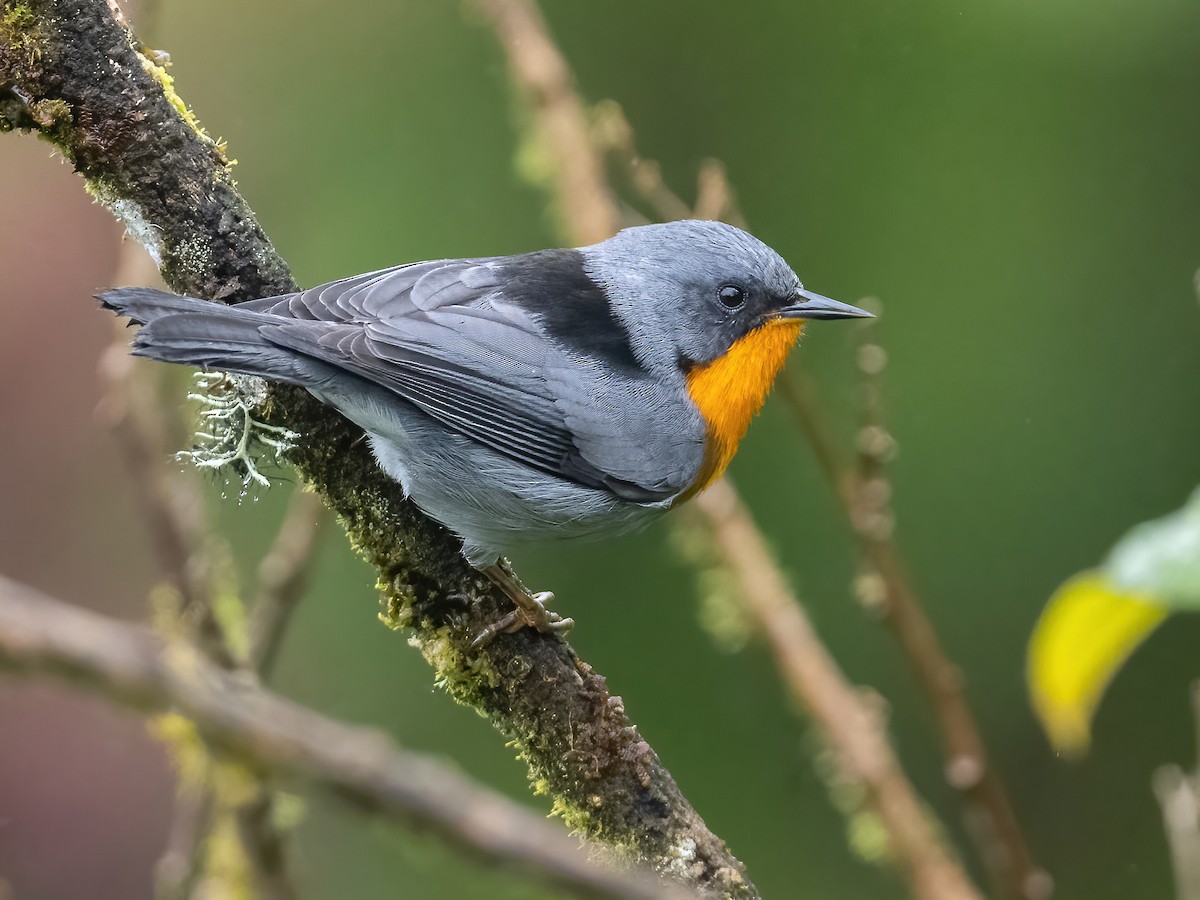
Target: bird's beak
x,y
807,305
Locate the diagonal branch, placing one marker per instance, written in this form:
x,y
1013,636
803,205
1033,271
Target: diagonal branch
x,y
864,494
585,204
129,664
282,578
71,72
846,722
857,737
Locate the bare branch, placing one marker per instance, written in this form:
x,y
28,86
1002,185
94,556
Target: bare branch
x,y
1178,794
539,68
1179,798
850,727
865,497
283,577
715,198
798,391
615,136
129,664
264,845
181,864
854,733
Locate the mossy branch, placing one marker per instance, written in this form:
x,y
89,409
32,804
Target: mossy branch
x,y
75,74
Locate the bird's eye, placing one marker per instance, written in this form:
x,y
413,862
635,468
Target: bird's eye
x,y
731,296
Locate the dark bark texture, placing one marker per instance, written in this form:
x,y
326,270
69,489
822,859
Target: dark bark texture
x,y
73,72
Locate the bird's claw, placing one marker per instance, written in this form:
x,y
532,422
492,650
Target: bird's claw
x,y
533,613
529,611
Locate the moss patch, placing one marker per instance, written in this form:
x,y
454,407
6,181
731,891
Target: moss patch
x,y
160,74
21,35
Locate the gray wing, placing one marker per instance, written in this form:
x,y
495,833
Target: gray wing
x,y
388,293
444,337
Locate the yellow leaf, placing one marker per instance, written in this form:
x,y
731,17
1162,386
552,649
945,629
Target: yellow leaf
x,y
1085,634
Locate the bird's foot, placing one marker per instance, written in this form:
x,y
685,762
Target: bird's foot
x,y
529,610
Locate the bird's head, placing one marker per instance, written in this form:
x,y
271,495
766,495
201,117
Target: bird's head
x,y
688,291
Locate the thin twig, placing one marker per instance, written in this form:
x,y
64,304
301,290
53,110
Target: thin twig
x,y
539,67
130,665
798,392
820,685
181,865
264,845
614,136
172,508
715,198
865,497
1179,800
1178,794
850,727
283,577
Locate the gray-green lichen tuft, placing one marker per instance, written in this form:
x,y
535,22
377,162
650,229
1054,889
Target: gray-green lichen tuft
x,y
230,435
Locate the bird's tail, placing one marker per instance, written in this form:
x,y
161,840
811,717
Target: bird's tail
x,y
195,332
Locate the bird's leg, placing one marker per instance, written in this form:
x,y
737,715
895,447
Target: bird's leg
x,y
530,609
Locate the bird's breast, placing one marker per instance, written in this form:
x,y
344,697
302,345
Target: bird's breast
x,y
729,391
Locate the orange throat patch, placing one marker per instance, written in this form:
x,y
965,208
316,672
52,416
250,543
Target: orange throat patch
x,y
731,390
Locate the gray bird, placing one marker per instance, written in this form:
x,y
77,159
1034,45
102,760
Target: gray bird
x,y
557,394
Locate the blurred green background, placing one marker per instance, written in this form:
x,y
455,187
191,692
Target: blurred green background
x,y
1019,182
